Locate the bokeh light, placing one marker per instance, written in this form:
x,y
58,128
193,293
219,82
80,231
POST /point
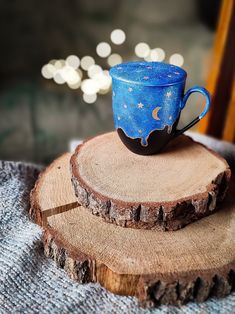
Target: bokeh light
x,y
93,70
118,36
70,75
58,78
48,71
95,79
53,61
114,59
89,87
89,99
73,61
148,57
75,86
103,50
80,73
103,80
177,59
59,64
157,54
142,50
86,62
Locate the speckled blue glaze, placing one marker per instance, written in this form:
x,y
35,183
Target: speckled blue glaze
x,y
149,96
148,73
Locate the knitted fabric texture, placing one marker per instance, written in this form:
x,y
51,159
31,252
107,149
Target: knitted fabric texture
x,y
31,283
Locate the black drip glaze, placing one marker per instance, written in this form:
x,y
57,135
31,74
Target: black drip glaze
x,y
156,141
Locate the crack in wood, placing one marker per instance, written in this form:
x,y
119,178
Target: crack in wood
x,y
57,210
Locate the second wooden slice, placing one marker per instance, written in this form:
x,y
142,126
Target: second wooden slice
x,y
165,191
190,264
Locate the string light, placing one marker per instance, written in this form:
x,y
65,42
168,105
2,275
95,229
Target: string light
x,y
103,50
104,91
53,61
70,75
148,57
93,70
89,87
59,64
99,81
118,36
153,56
86,62
48,71
58,78
142,50
73,61
177,59
75,86
103,80
80,73
157,54
90,99
114,59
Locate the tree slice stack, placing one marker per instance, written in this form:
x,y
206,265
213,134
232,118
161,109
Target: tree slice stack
x,y
165,191
190,264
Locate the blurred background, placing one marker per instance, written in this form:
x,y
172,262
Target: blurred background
x,y
43,107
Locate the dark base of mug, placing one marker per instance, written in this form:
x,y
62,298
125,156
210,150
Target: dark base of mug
x,y
157,140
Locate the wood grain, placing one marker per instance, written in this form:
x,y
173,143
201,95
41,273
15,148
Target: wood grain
x,y
190,264
66,199
220,78
165,191
229,129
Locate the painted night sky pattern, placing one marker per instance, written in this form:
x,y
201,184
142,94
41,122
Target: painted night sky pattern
x,y
143,100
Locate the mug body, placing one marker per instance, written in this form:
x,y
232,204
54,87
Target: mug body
x,y
147,101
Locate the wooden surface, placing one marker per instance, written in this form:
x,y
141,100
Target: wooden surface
x,y
220,80
229,129
171,268
165,191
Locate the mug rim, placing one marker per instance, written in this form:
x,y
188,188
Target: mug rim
x,y
115,76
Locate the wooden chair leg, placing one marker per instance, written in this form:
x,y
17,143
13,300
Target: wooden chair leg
x,y
229,129
221,73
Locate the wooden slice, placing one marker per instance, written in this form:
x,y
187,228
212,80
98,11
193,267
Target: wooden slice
x,y
165,191
171,268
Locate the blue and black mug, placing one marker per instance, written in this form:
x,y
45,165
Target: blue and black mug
x,y
147,101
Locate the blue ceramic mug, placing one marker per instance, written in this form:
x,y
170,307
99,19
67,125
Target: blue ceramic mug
x,y
147,101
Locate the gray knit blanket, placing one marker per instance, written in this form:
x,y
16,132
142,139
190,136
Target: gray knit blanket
x,y
31,283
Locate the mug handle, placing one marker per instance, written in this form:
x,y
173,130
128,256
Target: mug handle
x,y
205,93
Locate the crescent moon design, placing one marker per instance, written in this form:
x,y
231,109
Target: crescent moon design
x,y
155,113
